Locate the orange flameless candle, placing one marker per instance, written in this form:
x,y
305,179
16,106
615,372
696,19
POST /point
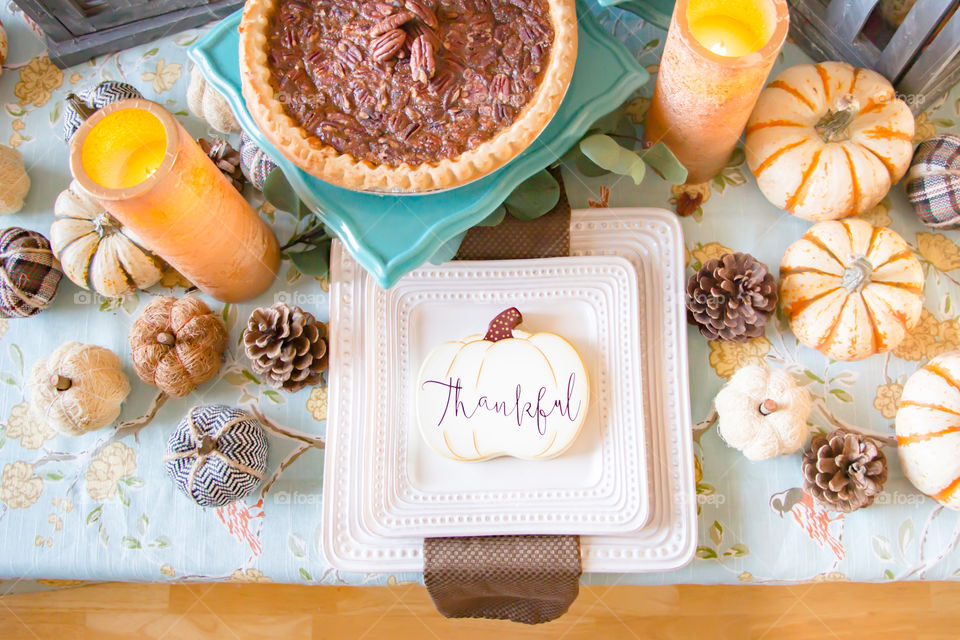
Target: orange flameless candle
x,y
715,61
146,170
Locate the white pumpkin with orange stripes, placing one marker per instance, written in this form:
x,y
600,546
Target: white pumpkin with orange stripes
x,y
827,141
928,429
850,289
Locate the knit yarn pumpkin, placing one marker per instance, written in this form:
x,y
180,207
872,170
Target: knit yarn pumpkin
x,y
29,273
78,388
14,181
177,344
83,103
933,182
217,455
254,162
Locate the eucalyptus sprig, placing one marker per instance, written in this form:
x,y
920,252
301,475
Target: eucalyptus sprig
x,y
309,246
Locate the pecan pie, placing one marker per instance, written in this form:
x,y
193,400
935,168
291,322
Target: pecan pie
x,y
405,95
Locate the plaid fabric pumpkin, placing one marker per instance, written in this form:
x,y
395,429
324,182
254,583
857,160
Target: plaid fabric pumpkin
x,y
217,455
29,273
255,164
933,182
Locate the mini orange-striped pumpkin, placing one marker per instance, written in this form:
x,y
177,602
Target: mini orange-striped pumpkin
x,y
928,429
827,141
850,289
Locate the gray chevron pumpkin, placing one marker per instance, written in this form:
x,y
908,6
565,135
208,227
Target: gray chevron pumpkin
x,y
217,455
96,97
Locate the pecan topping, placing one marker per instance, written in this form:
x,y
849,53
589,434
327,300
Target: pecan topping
x,y
377,10
501,87
422,11
422,63
391,22
387,45
419,29
348,53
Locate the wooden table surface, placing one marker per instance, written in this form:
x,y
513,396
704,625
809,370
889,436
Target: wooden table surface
x,y
914,610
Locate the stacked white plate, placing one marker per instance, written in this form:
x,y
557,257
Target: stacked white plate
x,y
627,482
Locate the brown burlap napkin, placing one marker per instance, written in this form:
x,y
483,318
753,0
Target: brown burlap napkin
x,y
529,579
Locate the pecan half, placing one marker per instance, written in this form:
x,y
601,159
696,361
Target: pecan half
x,y
500,87
348,53
419,29
422,11
423,66
387,45
377,10
391,22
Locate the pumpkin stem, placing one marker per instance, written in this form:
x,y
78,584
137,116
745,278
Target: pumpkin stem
x,y
206,445
502,326
79,106
166,338
857,274
61,383
768,406
833,126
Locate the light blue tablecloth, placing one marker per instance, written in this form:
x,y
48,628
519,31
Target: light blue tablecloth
x,y
99,508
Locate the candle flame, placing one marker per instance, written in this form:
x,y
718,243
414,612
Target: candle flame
x,y
719,48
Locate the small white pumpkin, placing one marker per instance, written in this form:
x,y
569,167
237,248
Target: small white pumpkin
x,y
928,429
3,47
850,290
14,181
763,412
95,250
78,388
827,141
207,104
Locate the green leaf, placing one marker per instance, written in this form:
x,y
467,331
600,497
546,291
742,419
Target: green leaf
x,y
142,523
706,553
534,197
16,355
235,378
494,218
151,52
134,482
888,574
305,575
297,545
249,376
608,123
55,112
813,376
587,167
53,475
905,536
447,250
124,498
95,514
274,396
662,160
129,543
737,551
606,153
841,395
716,533
6,378
881,547
278,192
313,262
568,158
160,542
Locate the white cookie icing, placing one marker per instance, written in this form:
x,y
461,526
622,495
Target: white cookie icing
x,y
525,397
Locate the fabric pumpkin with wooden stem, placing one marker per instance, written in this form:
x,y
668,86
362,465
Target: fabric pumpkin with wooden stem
x,y
96,251
827,141
928,429
850,290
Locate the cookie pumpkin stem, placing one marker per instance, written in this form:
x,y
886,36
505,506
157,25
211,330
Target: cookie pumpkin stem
x,y
502,326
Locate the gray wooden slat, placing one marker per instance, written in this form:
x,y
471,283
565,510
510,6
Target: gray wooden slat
x,y
941,57
911,35
847,17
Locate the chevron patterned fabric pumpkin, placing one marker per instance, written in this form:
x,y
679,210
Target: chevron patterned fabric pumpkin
x,y
928,429
217,455
96,251
94,98
827,141
850,289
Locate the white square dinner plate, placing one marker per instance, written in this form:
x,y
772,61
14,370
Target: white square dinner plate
x,y
598,486
651,240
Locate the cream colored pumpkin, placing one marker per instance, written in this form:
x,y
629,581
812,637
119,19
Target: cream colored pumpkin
x,y
78,388
850,289
97,252
14,181
827,141
928,429
208,105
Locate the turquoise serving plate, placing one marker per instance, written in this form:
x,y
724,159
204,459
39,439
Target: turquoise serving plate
x,y
391,235
656,12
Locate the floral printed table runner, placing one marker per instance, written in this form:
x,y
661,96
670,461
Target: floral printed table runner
x,y
101,508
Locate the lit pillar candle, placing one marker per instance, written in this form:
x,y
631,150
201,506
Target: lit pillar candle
x,y
716,58
146,170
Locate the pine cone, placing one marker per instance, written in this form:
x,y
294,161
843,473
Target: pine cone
x,y
844,471
226,158
287,345
731,298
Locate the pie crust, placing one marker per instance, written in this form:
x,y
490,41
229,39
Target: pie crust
x,y
345,170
